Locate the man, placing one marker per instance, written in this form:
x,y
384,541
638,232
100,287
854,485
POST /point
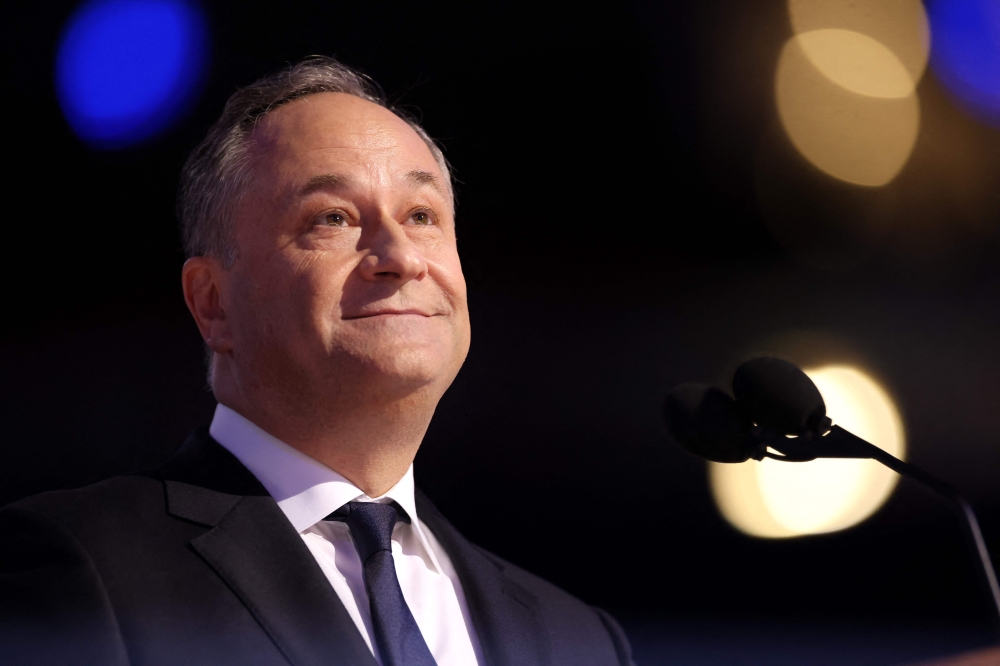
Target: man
x,y
325,280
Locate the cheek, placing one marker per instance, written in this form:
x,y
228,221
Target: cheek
x,y
447,268
316,288
457,292
260,307
449,275
286,297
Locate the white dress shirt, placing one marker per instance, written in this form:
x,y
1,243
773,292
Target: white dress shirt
x,y
307,491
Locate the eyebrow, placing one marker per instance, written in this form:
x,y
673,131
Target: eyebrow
x,y
426,178
327,181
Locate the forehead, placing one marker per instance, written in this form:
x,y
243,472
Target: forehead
x,y
314,133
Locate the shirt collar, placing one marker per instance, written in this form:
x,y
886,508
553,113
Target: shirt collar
x,y
305,489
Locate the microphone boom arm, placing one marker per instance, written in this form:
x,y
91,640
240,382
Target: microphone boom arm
x,y
839,443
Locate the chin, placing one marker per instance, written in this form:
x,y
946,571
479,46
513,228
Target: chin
x,y
413,368
401,363
404,369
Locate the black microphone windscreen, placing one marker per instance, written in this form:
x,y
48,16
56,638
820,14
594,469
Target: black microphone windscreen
x,y
777,395
706,422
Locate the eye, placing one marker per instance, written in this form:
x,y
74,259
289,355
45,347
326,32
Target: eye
x,y
334,219
421,217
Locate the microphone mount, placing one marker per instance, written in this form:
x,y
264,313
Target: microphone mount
x,y
774,399
831,441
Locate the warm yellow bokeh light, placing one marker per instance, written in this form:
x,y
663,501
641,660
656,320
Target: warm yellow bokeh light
x,y
857,138
900,25
857,62
778,499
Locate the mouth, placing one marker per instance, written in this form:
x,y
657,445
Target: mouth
x,y
389,312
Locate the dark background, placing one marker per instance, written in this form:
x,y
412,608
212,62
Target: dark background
x,y
616,242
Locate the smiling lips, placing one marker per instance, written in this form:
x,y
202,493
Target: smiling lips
x,y
389,311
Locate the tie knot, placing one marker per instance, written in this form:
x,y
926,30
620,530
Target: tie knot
x,y
371,525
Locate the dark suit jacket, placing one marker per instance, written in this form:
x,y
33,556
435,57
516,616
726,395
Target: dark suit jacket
x,y
194,563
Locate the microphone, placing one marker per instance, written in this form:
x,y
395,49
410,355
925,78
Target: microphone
x,y
779,413
777,395
707,423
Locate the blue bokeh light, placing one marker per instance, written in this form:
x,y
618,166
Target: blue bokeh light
x,y
965,51
126,69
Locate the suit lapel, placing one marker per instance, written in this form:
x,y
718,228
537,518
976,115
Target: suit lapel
x,y
261,557
506,616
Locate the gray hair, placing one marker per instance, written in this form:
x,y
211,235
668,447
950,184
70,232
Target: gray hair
x,y
218,172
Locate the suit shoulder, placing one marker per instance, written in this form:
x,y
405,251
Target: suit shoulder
x,y
54,606
110,501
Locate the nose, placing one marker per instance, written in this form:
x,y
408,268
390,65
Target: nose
x,y
392,256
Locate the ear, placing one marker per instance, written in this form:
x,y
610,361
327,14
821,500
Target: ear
x,y
203,280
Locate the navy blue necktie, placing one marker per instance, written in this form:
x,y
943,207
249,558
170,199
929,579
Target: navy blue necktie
x,y
397,635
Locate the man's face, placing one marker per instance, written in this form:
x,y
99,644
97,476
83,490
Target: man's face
x,y
348,284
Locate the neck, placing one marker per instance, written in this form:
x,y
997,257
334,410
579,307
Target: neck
x,y
370,443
